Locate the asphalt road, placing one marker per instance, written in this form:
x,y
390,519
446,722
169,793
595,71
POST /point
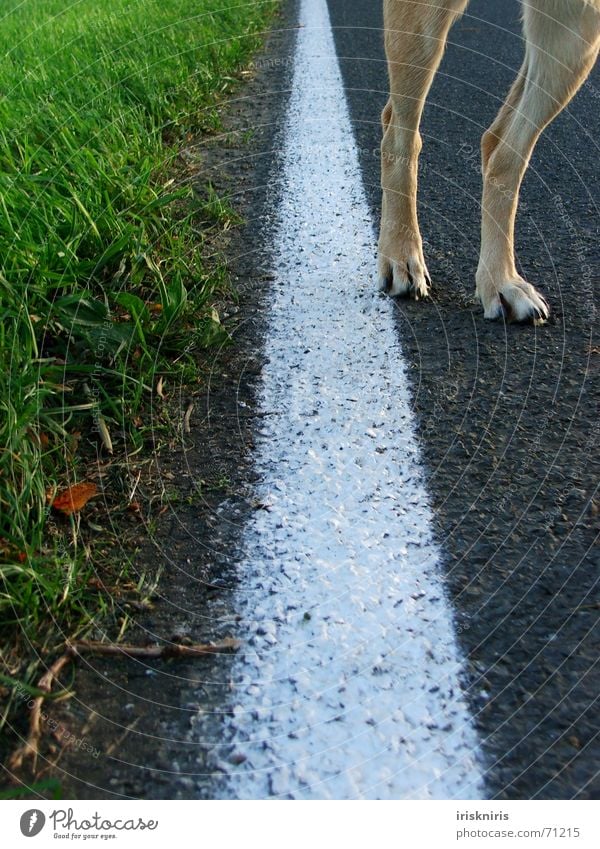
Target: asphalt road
x,y
508,415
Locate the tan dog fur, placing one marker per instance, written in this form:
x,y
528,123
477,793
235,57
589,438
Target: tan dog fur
x,y
562,41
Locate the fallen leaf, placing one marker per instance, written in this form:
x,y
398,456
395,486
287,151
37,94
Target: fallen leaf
x,y
74,439
74,498
40,437
8,550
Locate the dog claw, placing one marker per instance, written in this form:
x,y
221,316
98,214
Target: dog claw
x,y
407,277
516,301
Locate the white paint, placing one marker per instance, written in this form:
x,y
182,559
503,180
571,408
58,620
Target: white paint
x,y
362,699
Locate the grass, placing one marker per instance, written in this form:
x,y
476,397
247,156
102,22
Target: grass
x,y
103,285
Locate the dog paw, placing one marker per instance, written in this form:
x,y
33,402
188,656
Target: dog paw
x,y
515,300
406,278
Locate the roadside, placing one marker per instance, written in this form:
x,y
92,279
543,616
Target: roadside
x,y
133,542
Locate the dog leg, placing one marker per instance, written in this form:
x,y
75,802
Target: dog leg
x,y
562,41
415,36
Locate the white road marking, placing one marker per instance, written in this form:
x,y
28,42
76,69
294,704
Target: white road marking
x,y
348,685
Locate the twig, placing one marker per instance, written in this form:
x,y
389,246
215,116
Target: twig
x,y
30,748
169,650
137,480
187,417
257,415
116,744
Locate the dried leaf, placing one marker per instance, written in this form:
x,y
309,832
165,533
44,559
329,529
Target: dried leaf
x,y
74,498
40,437
104,434
187,417
8,550
74,439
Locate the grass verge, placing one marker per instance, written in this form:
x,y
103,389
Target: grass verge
x,y
103,284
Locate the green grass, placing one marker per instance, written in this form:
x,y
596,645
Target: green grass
x,y
102,279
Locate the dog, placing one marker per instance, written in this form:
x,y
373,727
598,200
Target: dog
x,y
562,40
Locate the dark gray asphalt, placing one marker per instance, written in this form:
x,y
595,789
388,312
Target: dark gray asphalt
x,y
508,416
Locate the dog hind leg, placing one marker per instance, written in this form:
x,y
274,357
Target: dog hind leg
x,y
415,36
562,41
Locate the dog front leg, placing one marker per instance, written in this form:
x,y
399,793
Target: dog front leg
x,y
415,36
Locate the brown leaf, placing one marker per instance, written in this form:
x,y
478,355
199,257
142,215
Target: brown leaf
x,y
75,497
8,550
40,437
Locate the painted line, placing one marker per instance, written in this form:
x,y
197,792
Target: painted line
x,y
348,685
